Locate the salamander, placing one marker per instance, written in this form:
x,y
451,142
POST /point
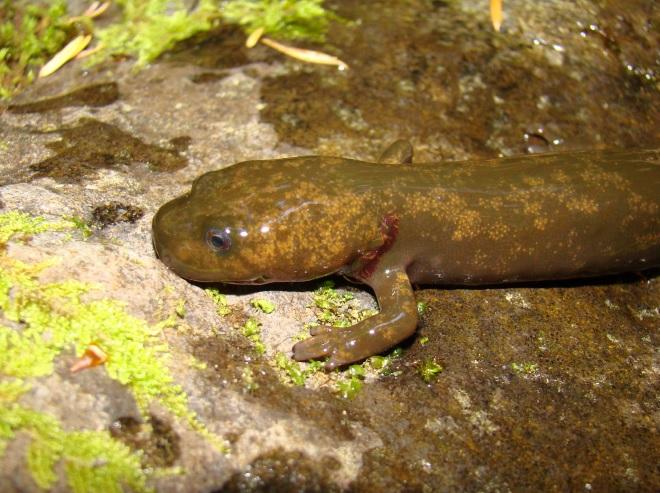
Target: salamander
x,y
393,224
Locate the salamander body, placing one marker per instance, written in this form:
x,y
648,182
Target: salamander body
x,y
392,224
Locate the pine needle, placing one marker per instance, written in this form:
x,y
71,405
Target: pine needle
x,y
309,56
254,38
75,46
496,13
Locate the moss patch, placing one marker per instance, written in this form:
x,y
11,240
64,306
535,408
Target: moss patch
x,y
14,223
220,300
293,372
148,28
349,387
252,330
524,368
300,19
429,370
42,320
29,36
265,306
336,308
92,460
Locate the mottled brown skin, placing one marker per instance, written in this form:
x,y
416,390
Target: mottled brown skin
x,y
388,225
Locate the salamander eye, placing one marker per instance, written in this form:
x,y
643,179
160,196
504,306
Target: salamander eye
x,y
218,240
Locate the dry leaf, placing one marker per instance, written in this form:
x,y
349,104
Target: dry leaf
x,y
75,46
93,356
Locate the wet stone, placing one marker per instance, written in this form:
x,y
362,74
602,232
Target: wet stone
x,y
94,96
281,472
544,387
469,90
91,145
155,438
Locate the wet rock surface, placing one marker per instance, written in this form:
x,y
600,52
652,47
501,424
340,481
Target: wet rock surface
x,y
458,90
543,387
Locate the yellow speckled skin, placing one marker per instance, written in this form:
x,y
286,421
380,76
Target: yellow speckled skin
x,y
528,218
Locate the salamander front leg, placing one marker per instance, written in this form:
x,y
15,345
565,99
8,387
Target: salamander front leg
x,y
396,321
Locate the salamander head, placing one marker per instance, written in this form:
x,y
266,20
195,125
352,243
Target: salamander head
x,y
258,222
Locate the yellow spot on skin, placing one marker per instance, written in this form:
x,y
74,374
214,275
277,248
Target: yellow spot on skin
x,y
498,231
540,222
480,258
560,176
534,181
638,204
647,240
467,225
533,208
588,206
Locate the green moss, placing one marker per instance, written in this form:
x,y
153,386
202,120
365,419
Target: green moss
x,y
47,319
252,330
351,386
249,382
421,307
29,36
150,27
429,370
11,390
525,368
55,319
293,372
15,223
291,19
336,309
383,364
263,305
93,460
180,308
220,300
81,225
